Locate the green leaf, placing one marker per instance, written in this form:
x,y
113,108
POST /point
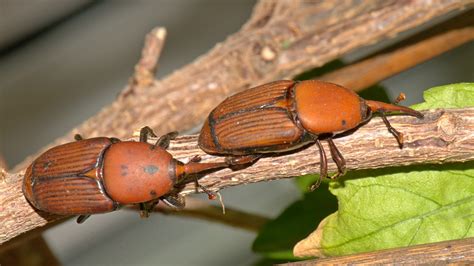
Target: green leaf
x,y
392,207
277,238
458,95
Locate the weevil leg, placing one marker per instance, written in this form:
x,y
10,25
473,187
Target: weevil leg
x,y
242,160
338,159
195,159
78,137
210,194
323,172
150,206
82,218
143,210
164,141
174,201
146,132
147,207
396,133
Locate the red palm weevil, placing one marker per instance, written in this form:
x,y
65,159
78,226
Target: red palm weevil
x,y
285,115
99,175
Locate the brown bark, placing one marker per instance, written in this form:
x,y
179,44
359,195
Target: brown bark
x,y
281,39
460,252
33,252
402,56
145,69
442,136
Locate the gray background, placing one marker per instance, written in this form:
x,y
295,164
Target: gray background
x,y
66,72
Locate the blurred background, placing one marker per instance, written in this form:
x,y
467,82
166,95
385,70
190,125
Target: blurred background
x,y
62,61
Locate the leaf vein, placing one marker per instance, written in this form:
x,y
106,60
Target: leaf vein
x,y
436,211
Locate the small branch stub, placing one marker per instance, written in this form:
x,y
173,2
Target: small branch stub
x,y
145,69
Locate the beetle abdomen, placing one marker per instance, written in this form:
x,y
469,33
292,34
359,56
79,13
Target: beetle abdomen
x,y
70,158
252,98
273,126
71,195
258,119
63,180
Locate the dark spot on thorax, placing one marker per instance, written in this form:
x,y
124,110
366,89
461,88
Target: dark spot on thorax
x,y
343,122
124,170
151,169
153,193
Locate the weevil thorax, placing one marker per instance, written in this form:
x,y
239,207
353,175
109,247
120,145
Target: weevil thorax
x,y
137,172
323,107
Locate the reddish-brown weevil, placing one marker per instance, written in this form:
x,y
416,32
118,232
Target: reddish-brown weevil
x,y
285,115
99,175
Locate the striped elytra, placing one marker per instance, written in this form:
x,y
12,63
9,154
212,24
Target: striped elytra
x,y
66,179
285,115
100,174
258,119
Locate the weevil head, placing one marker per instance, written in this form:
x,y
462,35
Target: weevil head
x,y
382,107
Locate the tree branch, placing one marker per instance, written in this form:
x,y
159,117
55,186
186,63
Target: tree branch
x,y
442,136
281,39
145,69
402,56
458,252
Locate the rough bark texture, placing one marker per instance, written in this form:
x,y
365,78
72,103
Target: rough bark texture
x,y
281,39
406,54
442,136
145,69
459,252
